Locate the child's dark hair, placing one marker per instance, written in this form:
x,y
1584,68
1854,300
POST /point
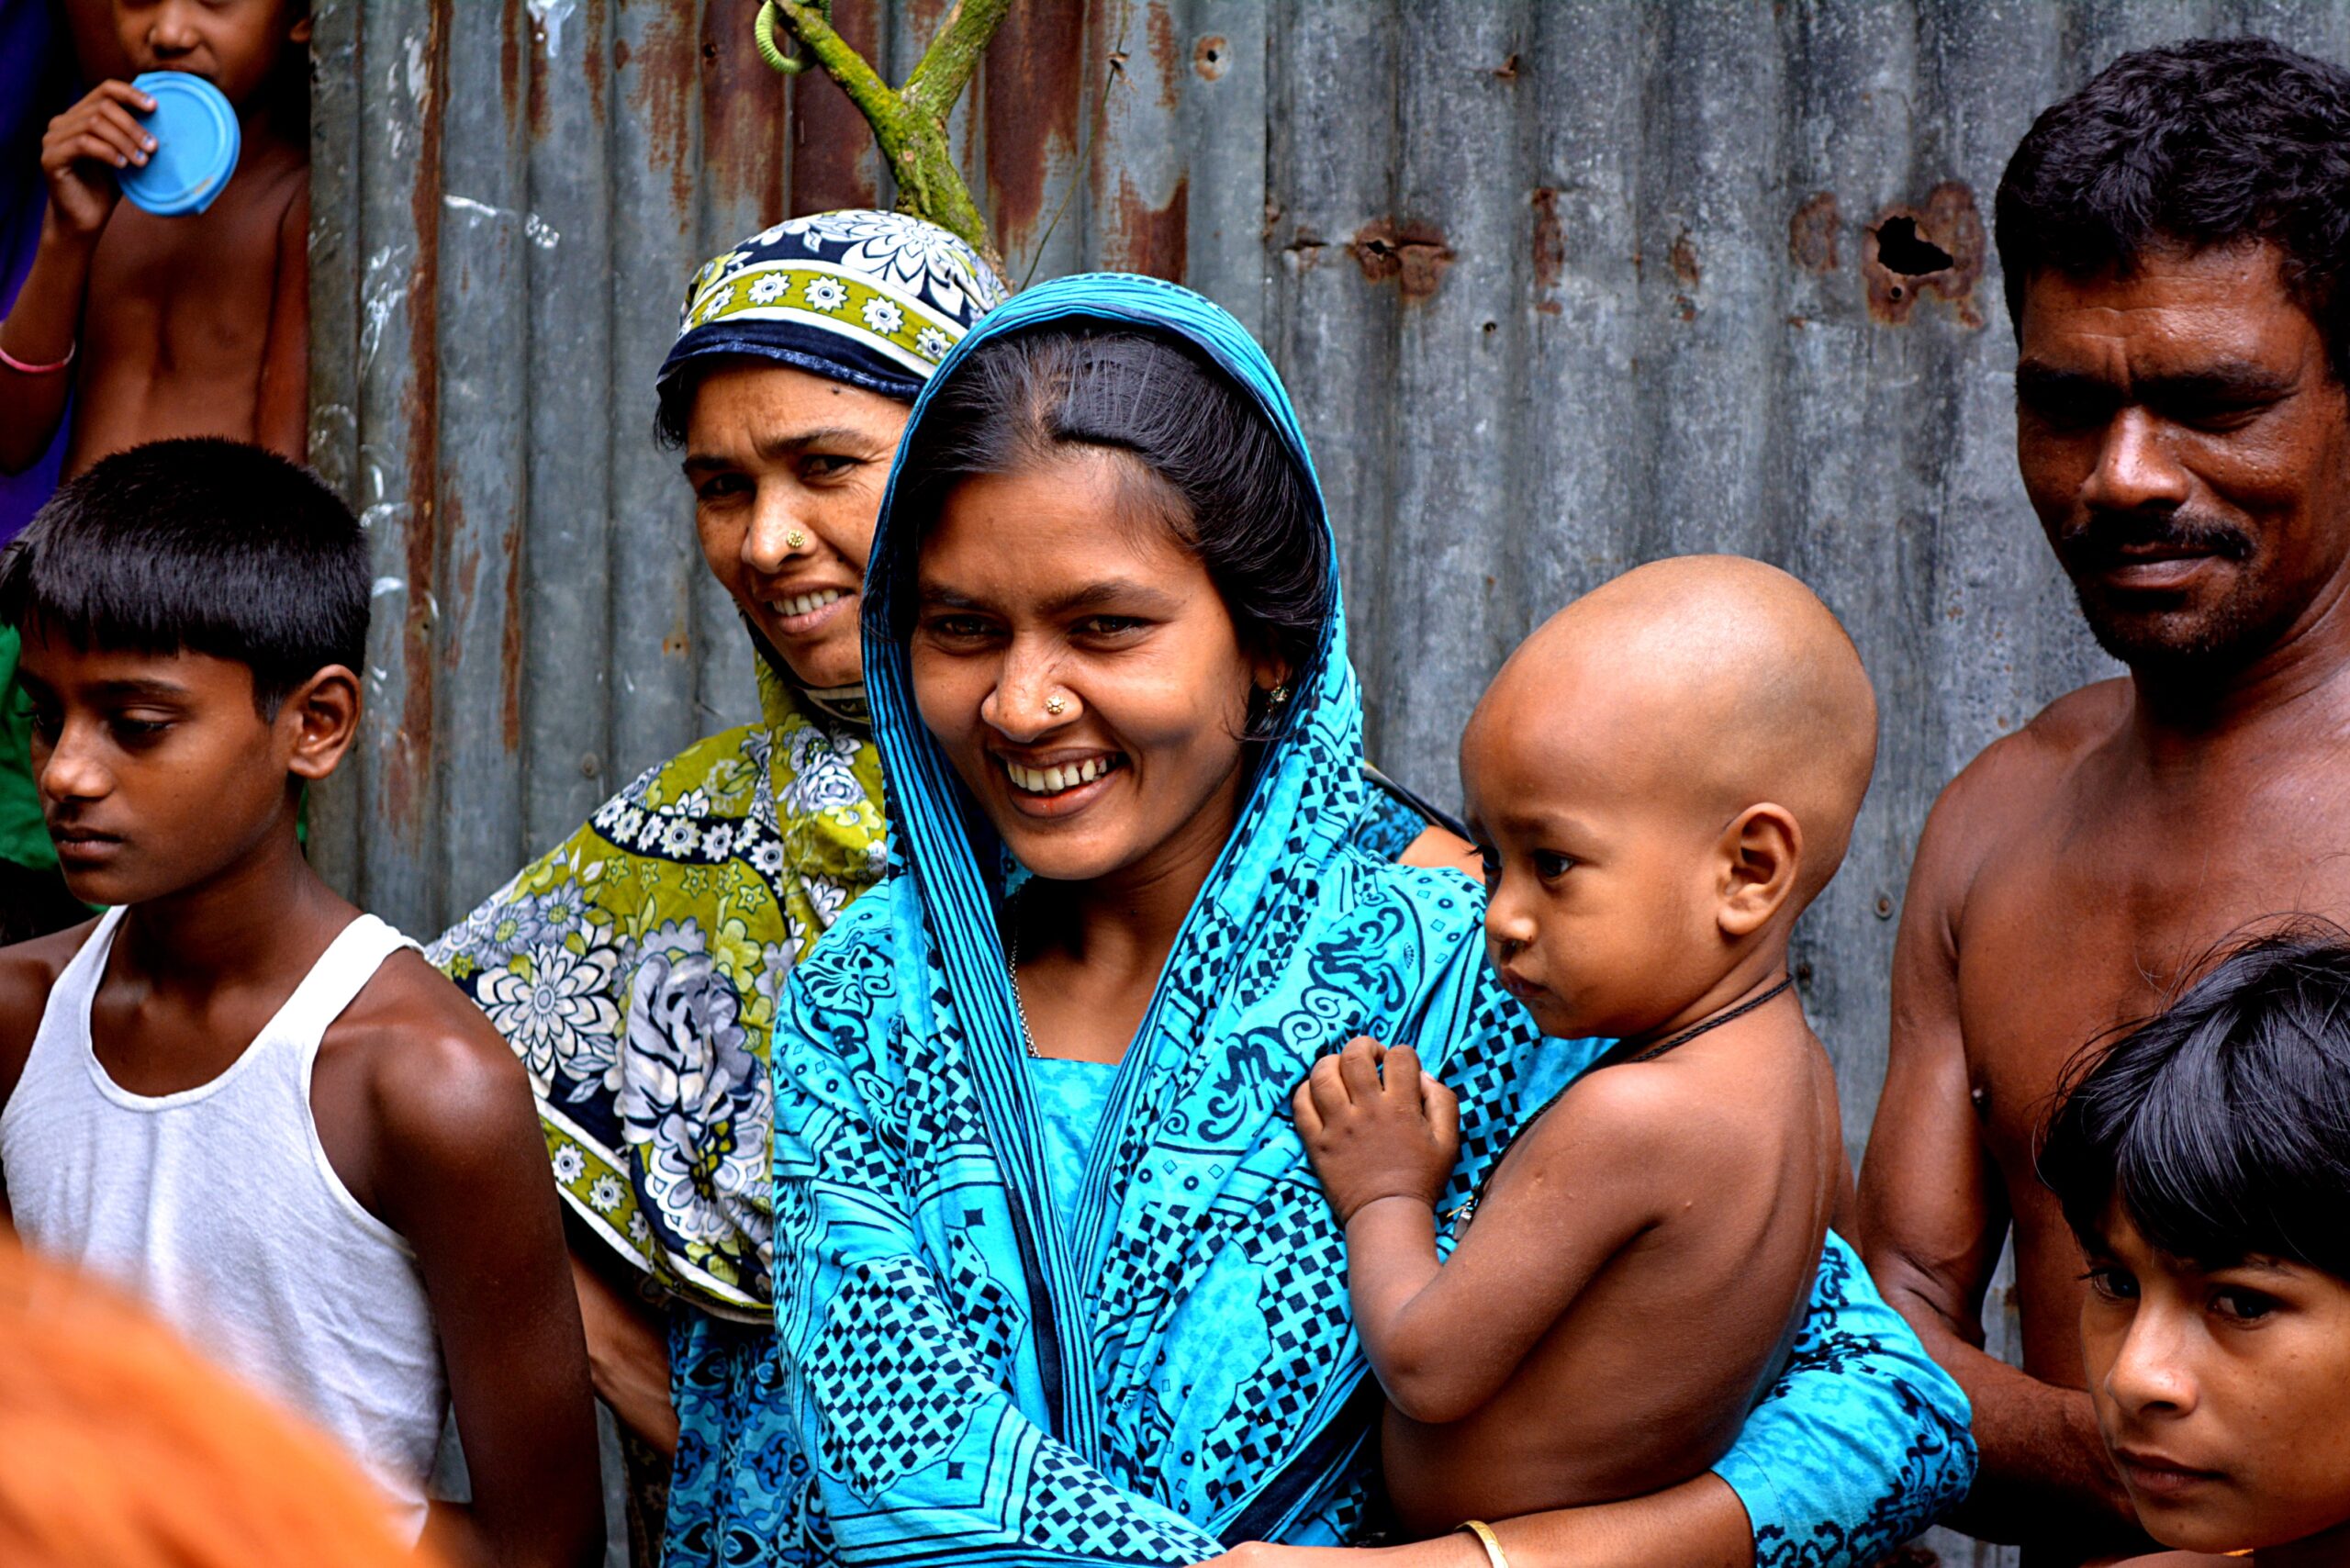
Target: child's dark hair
x,y
1212,465
2222,1124
2210,142
201,546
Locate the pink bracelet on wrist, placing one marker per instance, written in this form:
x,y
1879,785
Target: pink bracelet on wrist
x,y
21,368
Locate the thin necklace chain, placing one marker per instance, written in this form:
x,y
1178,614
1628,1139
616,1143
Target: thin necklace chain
x,y
1011,968
1715,1021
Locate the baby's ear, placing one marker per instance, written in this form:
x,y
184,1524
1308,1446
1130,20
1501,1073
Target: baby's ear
x,y
1761,853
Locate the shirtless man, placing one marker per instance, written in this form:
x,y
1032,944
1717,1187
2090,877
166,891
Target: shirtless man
x,y
195,325
2174,247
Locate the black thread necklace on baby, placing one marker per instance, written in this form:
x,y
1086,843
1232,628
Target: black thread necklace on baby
x,y
1468,1205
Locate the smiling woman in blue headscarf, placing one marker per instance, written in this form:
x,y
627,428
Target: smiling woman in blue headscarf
x,y
1054,1278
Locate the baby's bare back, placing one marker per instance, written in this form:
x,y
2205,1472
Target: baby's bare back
x,y
1646,1376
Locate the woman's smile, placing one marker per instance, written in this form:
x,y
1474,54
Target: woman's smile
x,y
807,612
1060,784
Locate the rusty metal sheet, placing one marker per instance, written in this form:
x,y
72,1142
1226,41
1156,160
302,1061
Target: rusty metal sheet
x,y
477,734
567,505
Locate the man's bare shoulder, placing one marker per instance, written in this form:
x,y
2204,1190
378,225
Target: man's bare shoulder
x,y
440,1078
27,972
2010,783
2047,748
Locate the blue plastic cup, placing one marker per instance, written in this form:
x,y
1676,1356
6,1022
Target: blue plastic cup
x,y
196,142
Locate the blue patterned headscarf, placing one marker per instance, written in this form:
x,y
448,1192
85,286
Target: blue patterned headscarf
x,y
871,298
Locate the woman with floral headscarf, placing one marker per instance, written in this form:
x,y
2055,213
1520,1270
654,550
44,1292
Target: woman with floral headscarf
x,y
634,967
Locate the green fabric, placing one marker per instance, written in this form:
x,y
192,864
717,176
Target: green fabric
x,y
634,967
22,837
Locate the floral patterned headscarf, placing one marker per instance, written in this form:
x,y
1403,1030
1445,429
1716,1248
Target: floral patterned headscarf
x,y
871,298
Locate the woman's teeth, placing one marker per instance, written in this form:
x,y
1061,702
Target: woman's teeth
x,y
800,604
1053,780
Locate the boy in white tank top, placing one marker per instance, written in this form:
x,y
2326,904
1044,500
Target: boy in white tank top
x,y
235,1094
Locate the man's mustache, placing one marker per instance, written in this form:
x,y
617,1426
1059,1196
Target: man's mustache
x,y
2109,538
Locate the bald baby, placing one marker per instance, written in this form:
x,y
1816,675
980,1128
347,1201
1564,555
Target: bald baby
x,y
1710,683
1658,781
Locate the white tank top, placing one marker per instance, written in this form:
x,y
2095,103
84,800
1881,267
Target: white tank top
x,y
216,1208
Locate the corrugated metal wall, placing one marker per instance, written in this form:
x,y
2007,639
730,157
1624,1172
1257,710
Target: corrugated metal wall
x,y
1557,286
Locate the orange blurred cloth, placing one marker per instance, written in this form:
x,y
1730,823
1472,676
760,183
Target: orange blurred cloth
x,y
120,1447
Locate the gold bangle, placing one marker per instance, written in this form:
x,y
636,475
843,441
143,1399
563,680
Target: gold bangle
x,y
1488,1540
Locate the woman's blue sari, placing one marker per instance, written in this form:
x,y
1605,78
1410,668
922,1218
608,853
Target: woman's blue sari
x,y
976,1365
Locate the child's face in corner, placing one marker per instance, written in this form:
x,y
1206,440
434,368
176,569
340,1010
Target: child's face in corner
x,y
233,44
2224,1395
1602,889
157,772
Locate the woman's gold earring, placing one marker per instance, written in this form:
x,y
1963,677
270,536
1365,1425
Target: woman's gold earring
x,y
1277,696
795,540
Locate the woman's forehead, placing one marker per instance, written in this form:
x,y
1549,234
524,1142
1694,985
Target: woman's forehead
x,y
745,390
1067,533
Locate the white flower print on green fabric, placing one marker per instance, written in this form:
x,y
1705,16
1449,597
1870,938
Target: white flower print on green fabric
x,y
767,290
775,959
562,908
652,973
675,937
556,1011
822,775
689,1096
829,898
498,936
883,315
825,293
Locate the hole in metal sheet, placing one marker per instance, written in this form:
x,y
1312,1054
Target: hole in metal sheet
x,y
1900,249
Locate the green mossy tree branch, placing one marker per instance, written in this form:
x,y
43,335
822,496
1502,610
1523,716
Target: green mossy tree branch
x,y
910,122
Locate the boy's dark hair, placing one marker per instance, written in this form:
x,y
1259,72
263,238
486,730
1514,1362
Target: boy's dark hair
x,y
2210,142
2222,1124
1241,502
199,544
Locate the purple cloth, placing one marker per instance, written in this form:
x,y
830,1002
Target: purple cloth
x,y
36,74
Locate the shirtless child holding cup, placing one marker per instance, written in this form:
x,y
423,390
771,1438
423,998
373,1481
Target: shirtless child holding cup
x,y
194,323
1658,781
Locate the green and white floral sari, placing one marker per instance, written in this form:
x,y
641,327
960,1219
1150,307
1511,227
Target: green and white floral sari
x,y
634,970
